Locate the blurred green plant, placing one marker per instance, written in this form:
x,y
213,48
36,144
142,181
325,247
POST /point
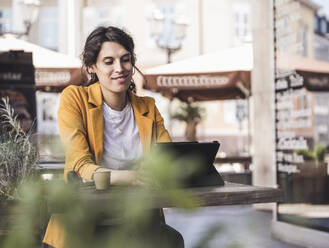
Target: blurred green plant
x,y
307,154
317,154
18,154
81,207
192,114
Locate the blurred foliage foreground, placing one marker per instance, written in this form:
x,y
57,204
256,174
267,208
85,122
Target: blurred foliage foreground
x,y
81,207
27,202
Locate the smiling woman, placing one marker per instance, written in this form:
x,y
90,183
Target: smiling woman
x,y
106,127
114,71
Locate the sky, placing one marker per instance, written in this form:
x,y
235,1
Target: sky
x,y
324,4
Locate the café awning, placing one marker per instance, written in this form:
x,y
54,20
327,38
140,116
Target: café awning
x,y
53,70
226,74
315,73
221,75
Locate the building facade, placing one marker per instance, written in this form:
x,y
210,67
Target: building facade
x,y
63,26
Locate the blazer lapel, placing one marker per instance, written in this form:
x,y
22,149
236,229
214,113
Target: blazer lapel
x,y
95,100
144,122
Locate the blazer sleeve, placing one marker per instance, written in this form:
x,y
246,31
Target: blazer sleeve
x,y
162,134
73,134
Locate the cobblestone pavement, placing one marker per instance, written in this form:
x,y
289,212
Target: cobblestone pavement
x,y
237,227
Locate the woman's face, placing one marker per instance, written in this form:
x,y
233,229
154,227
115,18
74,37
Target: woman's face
x,y
113,67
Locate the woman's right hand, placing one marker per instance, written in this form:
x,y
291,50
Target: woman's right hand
x,y
122,177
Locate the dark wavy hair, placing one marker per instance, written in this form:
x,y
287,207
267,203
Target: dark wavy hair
x,y
94,43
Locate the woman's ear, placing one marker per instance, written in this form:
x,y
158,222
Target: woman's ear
x,y
90,69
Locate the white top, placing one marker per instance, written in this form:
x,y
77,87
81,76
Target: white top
x,y
122,145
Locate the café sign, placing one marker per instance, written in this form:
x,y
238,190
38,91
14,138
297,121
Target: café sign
x,y
52,78
191,81
292,118
11,76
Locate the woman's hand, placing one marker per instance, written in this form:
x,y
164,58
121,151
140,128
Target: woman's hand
x,y
122,177
102,169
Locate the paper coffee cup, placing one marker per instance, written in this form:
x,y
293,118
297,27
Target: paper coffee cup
x,y
102,179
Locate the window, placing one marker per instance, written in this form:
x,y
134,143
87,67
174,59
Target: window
x,y
5,20
303,102
106,15
111,16
49,27
241,23
323,25
316,23
303,38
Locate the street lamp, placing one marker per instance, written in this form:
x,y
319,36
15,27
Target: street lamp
x,y
30,11
168,30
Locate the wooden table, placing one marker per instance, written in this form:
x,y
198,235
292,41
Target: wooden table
x,y
229,194
233,194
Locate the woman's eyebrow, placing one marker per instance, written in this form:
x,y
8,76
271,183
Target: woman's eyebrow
x,y
107,57
126,54
110,57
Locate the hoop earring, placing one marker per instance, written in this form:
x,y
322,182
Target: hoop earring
x,y
93,78
132,86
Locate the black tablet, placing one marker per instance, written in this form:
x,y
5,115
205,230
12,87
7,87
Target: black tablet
x,y
204,154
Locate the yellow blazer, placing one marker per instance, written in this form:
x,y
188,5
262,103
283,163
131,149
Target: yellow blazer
x,y
81,126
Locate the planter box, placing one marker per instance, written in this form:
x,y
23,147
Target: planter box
x,y
308,186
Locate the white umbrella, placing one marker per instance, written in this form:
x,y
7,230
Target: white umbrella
x,y
225,74
52,68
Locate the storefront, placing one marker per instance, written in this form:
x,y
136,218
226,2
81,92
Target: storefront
x,y
300,88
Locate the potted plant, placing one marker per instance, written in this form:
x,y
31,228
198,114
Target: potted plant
x,y
310,183
192,114
317,154
18,160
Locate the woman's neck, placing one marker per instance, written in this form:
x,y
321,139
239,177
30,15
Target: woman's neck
x,y
116,101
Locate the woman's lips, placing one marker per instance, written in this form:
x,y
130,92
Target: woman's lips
x,y
120,79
